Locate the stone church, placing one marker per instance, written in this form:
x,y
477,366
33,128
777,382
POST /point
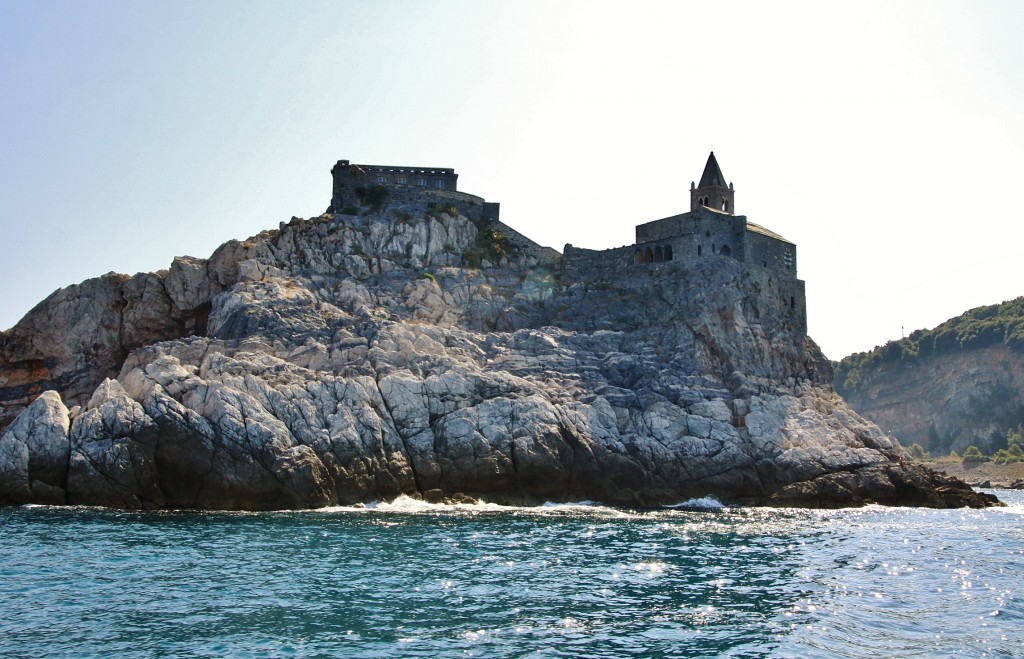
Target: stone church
x,y
711,229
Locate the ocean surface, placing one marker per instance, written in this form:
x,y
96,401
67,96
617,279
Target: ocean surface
x,y
418,580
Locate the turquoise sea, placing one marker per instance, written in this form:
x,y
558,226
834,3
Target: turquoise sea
x,y
419,580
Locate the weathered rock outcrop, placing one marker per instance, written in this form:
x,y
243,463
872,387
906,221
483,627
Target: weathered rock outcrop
x,y
80,334
336,361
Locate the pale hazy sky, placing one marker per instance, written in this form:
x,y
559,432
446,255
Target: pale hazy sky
x,y
884,139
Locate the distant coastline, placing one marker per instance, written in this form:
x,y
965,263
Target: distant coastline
x,y
999,475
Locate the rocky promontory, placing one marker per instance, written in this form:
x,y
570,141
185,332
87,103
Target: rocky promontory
x,y
415,350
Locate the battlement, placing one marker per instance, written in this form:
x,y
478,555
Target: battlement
x,y
400,175
352,181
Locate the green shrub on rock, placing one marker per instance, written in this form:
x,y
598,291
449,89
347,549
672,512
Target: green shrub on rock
x,y
917,451
974,454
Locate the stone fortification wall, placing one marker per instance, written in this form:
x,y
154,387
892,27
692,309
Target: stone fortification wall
x,y
473,207
545,257
349,179
790,293
469,205
663,229
784,292
772,253
581,262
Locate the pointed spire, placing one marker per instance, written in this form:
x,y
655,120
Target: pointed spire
x,y
713,191
712,174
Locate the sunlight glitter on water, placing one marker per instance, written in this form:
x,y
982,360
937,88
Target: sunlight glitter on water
x,y
422,579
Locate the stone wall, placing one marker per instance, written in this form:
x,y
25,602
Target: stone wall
x,y
473,207
771,253
694,234
782,291
790,293
716,197
537,255
597,263
663,229
348,178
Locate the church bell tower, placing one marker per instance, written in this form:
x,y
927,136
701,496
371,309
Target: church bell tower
x,y
712,192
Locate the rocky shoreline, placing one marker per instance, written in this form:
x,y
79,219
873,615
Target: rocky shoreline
x,y
342,360
1006,476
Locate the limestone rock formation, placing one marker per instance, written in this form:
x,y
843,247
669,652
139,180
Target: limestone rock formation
x,y
341,359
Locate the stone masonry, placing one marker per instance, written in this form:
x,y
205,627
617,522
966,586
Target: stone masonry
x,y
710,230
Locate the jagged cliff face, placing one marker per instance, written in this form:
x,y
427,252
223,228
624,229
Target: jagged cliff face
x,y
324,365
945,402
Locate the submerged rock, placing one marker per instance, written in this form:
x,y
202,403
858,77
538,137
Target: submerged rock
x,y
333,362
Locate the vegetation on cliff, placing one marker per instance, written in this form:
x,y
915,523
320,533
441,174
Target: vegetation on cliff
x,y
978,328
981,411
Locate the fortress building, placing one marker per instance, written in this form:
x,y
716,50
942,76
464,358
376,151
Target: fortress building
x,y
710,230
354,184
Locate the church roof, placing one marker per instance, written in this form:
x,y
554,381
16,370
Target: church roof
x,y
757,228
712,174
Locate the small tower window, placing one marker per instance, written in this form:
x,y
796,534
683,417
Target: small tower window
x,y
668,252
659,256
422,182
402,180
439,184
382,179
698,250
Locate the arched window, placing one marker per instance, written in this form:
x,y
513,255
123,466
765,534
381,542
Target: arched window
x,y
639,256
648,255
725,251
659,256
668,252
725,205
